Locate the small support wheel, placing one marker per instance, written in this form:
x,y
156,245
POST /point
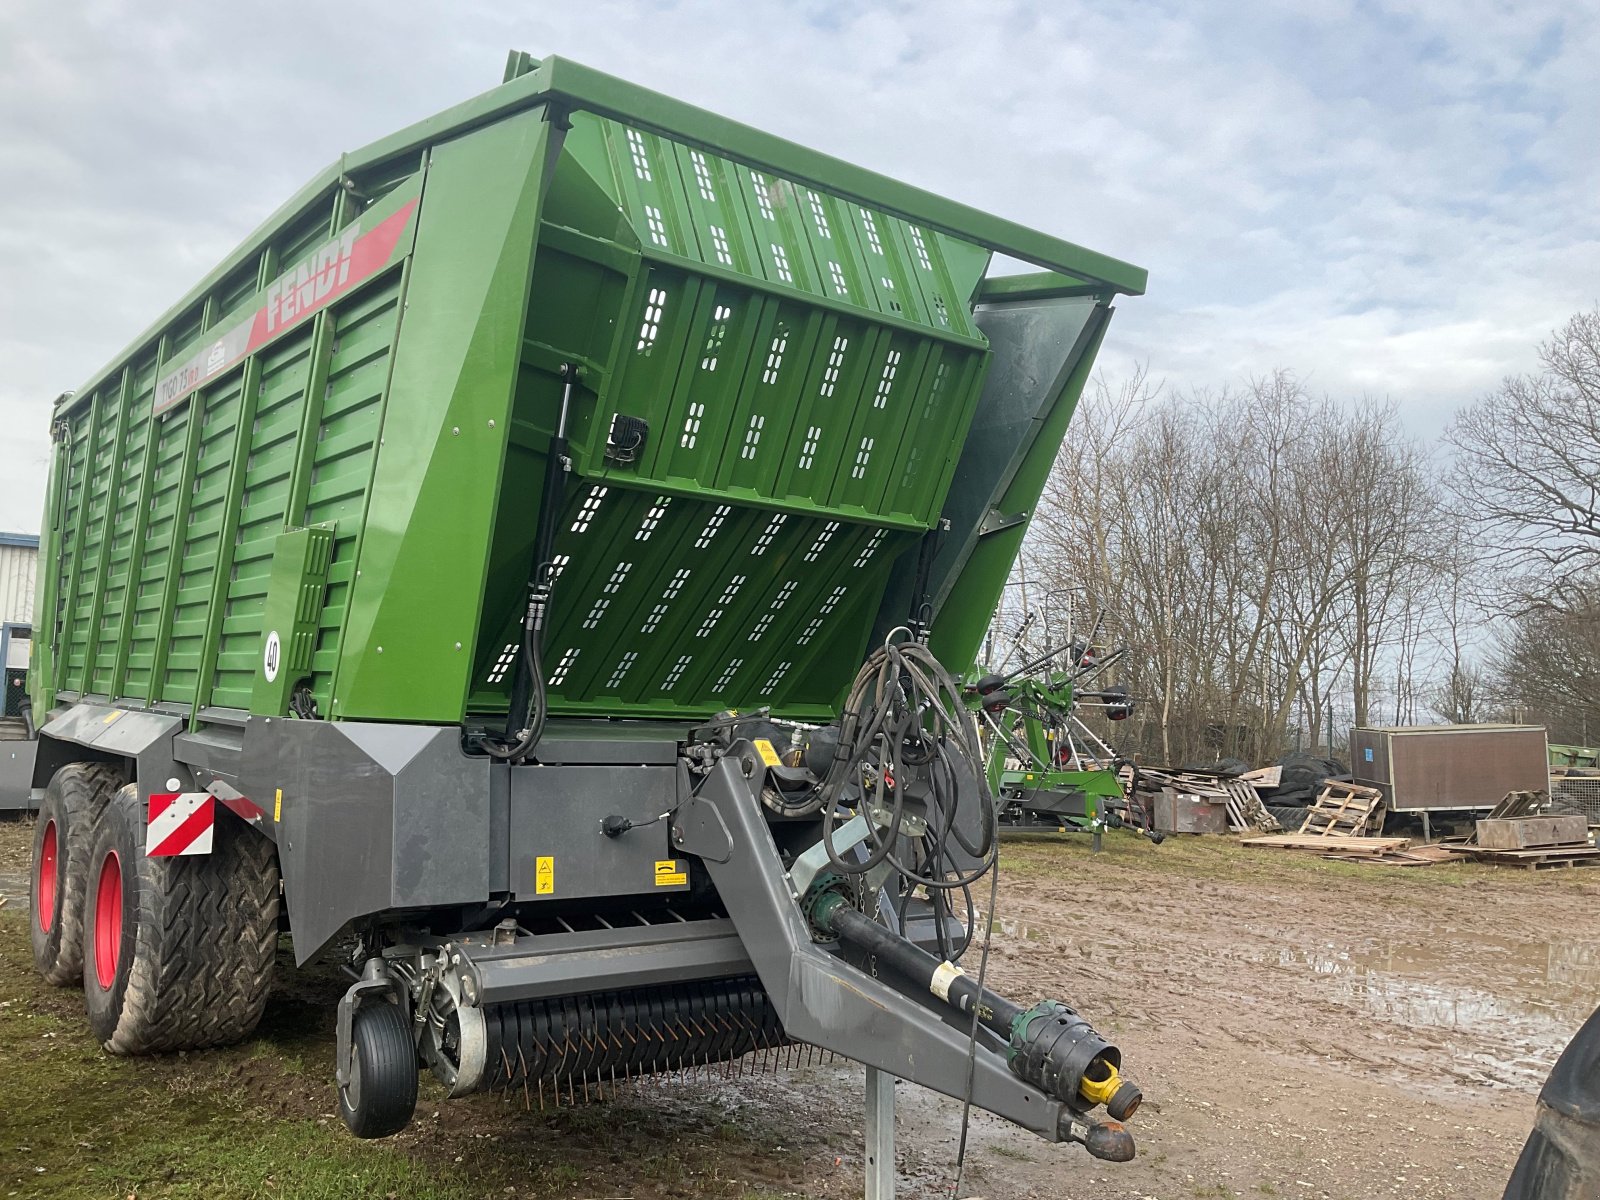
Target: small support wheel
x,y
379,1094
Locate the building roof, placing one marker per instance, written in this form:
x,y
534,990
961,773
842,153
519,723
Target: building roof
x,y
28,540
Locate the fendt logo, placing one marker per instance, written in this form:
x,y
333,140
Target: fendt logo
x,y
302,288
328,272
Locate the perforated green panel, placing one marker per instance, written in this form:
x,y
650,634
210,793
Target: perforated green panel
x,y
669,604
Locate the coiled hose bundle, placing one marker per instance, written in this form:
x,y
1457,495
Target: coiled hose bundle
x,y
905,719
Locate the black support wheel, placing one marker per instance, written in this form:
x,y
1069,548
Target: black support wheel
x,y
71,805
380,1092
177,952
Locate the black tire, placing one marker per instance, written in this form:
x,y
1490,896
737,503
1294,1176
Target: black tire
x,y
381,1093
71,805
1290,817
190,963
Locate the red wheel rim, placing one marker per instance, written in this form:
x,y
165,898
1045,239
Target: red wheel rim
x,y
108,921
46,891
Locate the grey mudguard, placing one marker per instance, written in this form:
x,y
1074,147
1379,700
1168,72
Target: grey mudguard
x,y
368,818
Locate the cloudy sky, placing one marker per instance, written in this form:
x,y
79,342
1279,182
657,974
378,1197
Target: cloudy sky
x,y
1391,198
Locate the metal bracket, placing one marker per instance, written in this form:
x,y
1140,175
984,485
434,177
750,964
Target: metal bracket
x,y
375,977
821,998
453,982
994,521
814,861
700,830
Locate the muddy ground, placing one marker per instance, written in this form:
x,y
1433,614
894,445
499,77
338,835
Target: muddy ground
x,y
1302,1028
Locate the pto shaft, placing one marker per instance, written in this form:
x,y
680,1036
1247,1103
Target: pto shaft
x,y
1049,1045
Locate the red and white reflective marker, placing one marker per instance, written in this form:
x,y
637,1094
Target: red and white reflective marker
x,y
180,823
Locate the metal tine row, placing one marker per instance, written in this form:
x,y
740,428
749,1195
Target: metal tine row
x,y
764,1058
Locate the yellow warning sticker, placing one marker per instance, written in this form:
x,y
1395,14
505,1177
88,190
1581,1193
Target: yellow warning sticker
x,y
112,716
277,805
544,876
768,754
672,873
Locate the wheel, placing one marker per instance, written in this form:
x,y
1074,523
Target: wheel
x,y
381,1089
177,952
72,803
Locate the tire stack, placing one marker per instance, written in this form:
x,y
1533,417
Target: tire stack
x,y
172,953
1300,780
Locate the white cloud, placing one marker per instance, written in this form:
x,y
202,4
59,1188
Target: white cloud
x,y
1391,199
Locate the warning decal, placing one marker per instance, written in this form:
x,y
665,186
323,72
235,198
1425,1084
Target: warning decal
x,y
768,754
672,873
180,823
544,876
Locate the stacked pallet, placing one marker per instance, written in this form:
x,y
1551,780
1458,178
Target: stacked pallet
x,y
1330,844
1345,810
1522,832
1236,796
1343,823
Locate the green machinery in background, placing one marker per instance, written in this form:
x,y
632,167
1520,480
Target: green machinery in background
x,y
477,570
1051,773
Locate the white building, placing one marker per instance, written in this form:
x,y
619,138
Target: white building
x,y
19,558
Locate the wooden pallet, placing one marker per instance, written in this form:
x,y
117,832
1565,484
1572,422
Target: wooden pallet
x,y
1241,802
1547,859
1246,813
1328,843
1413,856
1344,809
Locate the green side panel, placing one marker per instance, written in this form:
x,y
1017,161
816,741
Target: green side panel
x,y
169,483
41,662
199,542
59,552
424,547
280,407
106,640
296,581
346,447
89,516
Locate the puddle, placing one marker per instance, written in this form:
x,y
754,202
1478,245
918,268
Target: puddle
x,y
14,890
1016,929
1516,1030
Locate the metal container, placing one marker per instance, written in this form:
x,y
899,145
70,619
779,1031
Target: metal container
x,y
1185,812
1436,767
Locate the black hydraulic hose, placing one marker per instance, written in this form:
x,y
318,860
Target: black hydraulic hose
x,y
835,915
904,695
529,697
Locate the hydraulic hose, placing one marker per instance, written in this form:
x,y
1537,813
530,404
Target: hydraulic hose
x,y
529,696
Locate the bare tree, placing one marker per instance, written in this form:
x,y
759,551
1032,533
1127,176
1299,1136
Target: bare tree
x,y
1256,546
1528,469
1546,666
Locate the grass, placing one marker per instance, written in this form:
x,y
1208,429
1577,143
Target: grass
x,y
77,1122
257,1121
1221,859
